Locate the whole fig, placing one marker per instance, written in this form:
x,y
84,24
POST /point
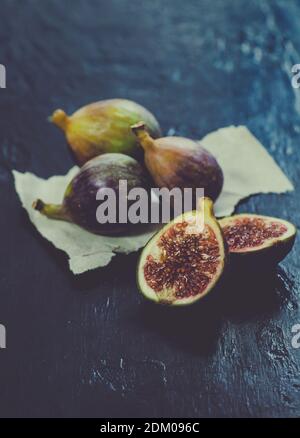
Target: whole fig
x,y
104,127
81,200
180,162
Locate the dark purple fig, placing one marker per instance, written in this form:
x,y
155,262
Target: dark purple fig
x,y
104,127
180,162
81,202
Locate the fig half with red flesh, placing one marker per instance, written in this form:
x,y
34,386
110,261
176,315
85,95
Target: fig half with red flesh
x,y
261,237
183,261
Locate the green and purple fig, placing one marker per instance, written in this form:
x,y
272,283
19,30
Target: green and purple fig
x,y
180,162
82,198
104,127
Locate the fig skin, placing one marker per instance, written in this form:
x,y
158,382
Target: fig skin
x,y
80,204
267,255
205,205
180,162
104,127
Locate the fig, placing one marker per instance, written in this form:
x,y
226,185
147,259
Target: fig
x,y
180,162
104,127
184,260
80,202
258,238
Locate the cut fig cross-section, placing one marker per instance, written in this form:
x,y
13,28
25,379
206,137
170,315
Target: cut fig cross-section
x,y
262,237
183,261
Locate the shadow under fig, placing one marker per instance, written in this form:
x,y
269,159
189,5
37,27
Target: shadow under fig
x,y
252,294
240,297
194,328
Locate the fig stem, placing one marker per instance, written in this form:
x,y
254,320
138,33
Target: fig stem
x,y
52,211
143,136
60,119
206,206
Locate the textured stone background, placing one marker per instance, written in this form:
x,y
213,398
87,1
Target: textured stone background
x,y
91,346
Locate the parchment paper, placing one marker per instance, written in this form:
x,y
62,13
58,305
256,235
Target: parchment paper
x,y
247,166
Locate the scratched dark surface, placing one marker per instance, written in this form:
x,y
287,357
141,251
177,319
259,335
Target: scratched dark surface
x,y
90,345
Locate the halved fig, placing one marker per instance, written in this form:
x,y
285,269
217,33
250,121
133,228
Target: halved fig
x,y
183,261
264,238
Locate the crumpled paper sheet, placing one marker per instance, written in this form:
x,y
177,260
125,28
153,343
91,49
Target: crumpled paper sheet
x,y
247,166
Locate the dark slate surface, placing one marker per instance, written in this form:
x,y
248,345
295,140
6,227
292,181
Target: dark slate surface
x,y
90,346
